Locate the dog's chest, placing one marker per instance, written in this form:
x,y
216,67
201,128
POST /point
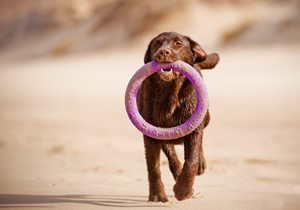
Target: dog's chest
x,y
172,107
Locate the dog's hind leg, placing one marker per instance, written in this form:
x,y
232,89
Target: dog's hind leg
x,y
202,162
174,163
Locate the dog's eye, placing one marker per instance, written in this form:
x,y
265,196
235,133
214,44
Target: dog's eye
x,y
178,43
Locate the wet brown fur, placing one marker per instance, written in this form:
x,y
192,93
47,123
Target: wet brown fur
x,y
171,103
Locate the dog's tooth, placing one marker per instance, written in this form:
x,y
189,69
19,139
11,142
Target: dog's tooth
x,y
171,70
161,70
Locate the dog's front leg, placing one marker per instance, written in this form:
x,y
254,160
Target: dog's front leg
x,y
156,187
183,188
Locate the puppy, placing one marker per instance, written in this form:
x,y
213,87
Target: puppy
x,y
167,99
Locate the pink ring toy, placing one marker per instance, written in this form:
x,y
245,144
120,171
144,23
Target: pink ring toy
x,y
166,133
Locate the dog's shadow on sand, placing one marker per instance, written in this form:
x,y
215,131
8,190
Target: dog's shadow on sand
x,y
45,201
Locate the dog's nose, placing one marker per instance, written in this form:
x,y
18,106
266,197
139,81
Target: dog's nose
x,y
165,52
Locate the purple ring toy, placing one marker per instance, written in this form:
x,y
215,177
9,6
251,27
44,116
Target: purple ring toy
x,y
166,133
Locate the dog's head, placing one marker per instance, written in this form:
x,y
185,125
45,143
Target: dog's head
x,y
169,47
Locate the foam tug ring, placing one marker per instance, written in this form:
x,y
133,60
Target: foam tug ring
x,y
166,133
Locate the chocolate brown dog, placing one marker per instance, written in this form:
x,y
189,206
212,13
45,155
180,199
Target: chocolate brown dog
x,y
168,99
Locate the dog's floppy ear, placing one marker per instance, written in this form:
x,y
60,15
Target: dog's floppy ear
x,y
147,57
199,54
210,62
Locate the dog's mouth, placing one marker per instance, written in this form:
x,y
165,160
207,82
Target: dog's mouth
x,y
167,74
167,71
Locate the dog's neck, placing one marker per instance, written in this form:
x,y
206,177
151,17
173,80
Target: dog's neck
x,y
167,89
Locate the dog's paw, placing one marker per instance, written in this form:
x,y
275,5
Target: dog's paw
x,y
182,192
159,197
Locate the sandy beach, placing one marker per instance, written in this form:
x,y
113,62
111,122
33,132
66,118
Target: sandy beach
x,y
67,143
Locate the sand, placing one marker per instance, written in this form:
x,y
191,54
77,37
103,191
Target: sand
x,y
67,143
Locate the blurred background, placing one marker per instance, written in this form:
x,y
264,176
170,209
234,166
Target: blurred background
x,y
30,28
64,67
